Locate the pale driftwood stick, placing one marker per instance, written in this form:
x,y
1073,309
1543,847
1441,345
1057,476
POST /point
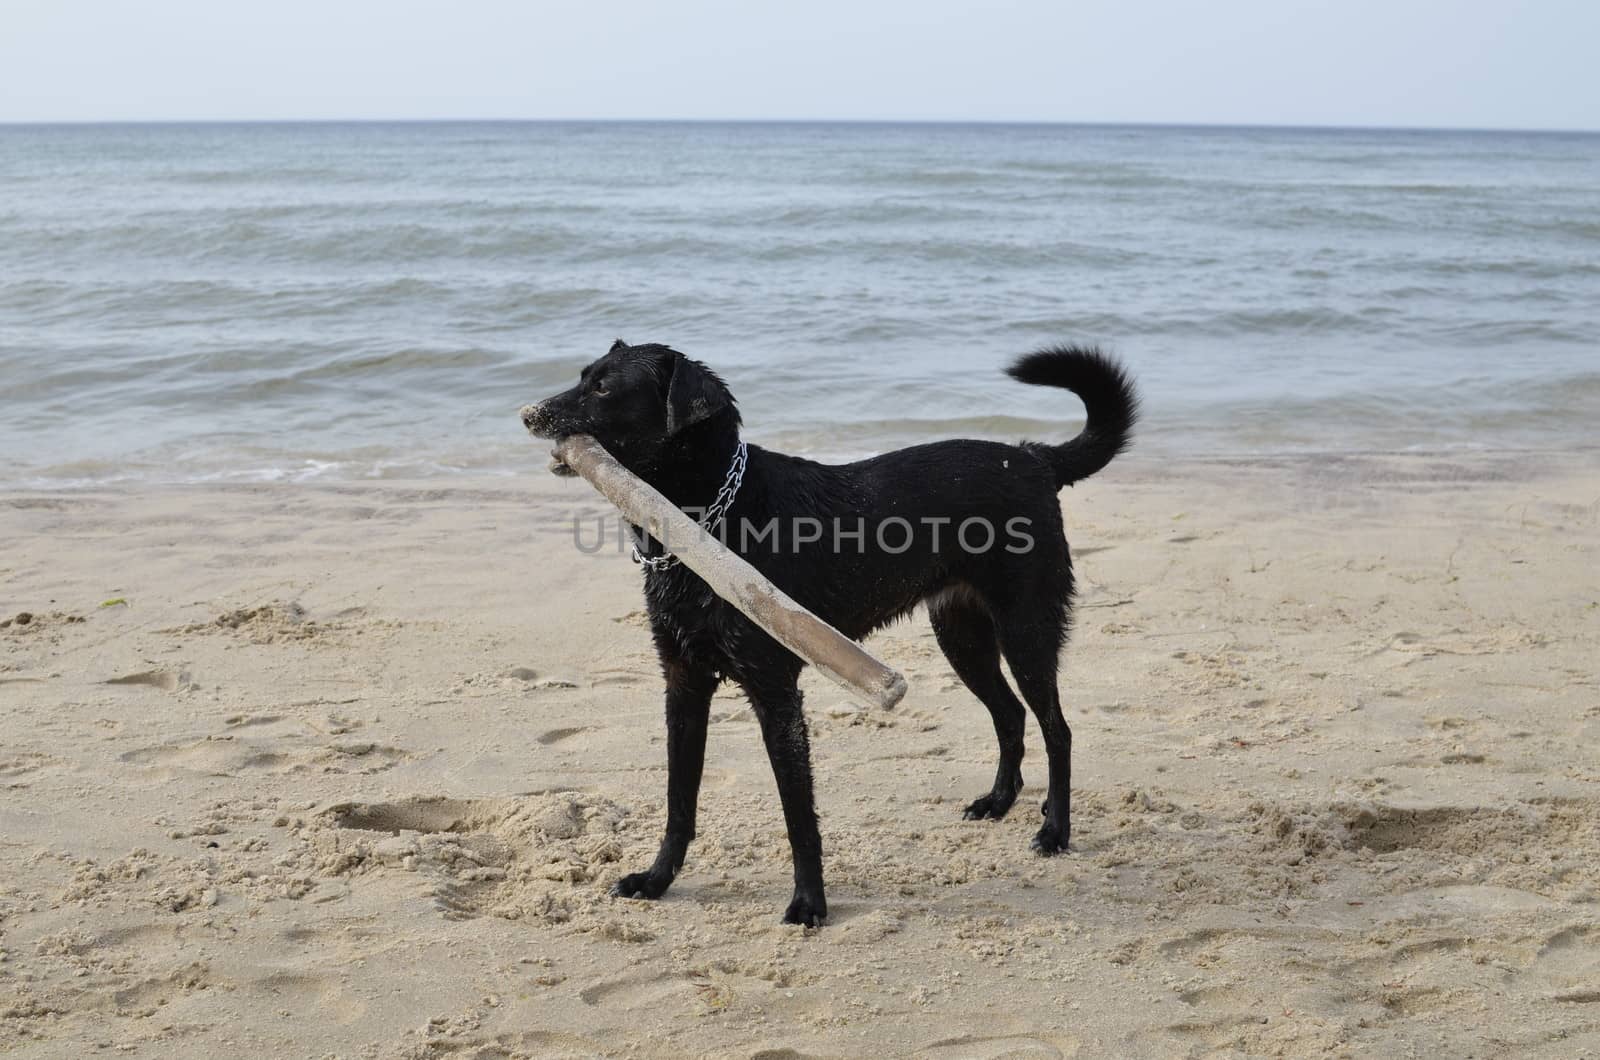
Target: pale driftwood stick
x,y
730,577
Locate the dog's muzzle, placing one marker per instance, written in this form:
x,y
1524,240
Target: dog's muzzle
x,y
538,425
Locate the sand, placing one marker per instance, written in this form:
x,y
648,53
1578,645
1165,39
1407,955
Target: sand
x,y
348,769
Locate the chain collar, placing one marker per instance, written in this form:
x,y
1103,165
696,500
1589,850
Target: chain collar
x,y
710,522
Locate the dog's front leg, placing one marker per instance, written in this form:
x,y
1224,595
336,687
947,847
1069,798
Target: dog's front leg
x,y
783,728
688,708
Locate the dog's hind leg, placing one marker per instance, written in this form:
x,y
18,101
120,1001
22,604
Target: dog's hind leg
x,y
1031,639
967,635
689,691
776,700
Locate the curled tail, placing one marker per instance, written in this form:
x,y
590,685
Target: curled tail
x,y
1108,395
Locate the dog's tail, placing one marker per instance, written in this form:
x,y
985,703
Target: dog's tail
x,y
1108,394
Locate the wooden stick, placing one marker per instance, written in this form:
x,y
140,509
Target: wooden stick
x,y
730,577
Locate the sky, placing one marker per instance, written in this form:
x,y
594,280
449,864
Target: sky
x,y
1446,63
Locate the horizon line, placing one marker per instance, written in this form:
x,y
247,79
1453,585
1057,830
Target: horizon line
x,y
1043,123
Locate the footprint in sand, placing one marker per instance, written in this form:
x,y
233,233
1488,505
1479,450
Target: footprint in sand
x,y
240,721
147,996
1387,829
408,815
555,736
14,767
1567,966
166,680
715,779
230,756
530,678
605,678
639,991
223,756
539,856
1014,1045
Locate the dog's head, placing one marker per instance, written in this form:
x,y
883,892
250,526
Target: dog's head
x,y
636,401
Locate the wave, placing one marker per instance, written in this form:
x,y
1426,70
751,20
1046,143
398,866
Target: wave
x,y
200,241
1527,268
270,175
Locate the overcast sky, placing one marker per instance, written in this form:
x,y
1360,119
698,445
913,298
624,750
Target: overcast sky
x,y
1502,64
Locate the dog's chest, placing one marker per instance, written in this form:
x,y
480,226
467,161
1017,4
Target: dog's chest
x,y
700,624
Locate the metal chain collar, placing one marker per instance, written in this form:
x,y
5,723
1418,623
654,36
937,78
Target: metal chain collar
x,y
710,522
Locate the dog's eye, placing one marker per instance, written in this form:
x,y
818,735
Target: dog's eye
x,y
601,390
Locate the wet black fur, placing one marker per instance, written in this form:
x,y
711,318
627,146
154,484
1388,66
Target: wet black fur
x,y
671,421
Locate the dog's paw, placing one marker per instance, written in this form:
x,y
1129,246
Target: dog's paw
x,y
990,807
806,911
1050,841
639,885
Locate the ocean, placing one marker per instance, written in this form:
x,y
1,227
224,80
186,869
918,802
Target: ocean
x,y
301,302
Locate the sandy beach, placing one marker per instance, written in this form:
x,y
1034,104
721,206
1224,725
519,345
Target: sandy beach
x,y
345,771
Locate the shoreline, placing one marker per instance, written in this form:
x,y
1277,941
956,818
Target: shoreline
x,y
1139,465
350,768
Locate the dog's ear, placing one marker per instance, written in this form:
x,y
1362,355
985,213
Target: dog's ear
x,y
618,345
693,394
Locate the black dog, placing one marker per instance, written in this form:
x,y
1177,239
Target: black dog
x,y
907,527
